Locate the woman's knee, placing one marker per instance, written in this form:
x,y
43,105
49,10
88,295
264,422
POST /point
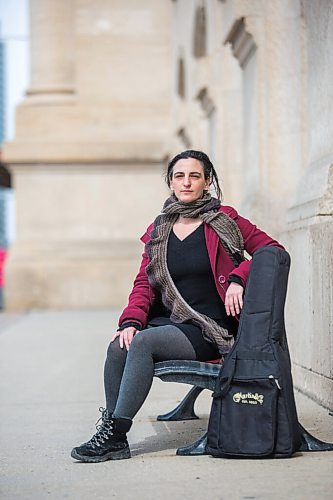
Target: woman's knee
x,y
141,339
114,351
148,339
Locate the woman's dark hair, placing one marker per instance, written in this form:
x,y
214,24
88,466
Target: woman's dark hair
x,y
209,170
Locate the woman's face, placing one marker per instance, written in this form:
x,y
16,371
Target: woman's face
x,y
188,181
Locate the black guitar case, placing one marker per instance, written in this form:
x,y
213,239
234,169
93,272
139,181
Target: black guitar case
x,y
253,412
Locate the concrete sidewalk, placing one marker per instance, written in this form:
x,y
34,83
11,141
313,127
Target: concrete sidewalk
x,y
51,372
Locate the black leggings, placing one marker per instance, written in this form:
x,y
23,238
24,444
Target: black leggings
x,y
128,376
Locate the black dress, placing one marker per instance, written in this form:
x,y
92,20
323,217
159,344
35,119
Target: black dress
x,y
189,266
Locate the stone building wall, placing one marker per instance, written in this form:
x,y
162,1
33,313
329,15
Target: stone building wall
x,y
258,98
309,231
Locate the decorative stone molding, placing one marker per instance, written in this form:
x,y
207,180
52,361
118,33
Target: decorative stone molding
x,y
200,33
242,42
181,79
206,102
182,134
314,196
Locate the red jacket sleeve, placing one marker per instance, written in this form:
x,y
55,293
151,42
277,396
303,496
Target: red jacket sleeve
x,y
142,295
254,238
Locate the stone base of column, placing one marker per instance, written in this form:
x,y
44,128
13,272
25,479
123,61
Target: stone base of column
x,y
309,309
76,276
78,232
315,385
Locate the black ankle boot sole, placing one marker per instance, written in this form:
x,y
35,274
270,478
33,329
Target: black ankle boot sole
x,y
112,455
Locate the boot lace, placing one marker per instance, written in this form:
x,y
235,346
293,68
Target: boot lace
x,y
104,430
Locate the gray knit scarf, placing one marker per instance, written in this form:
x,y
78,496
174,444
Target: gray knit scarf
x,y
158,274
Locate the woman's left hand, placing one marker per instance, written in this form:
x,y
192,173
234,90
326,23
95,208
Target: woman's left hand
x,y
125,336
234,299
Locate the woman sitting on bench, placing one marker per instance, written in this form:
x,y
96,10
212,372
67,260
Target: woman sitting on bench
x,y
185,299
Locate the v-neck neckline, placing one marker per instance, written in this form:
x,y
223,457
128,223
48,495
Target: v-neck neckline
x,y
186,237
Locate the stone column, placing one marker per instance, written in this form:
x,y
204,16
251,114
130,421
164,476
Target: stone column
x,y
52,43
89,151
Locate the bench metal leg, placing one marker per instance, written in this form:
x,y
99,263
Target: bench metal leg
x,y
196,448
185,409
310,443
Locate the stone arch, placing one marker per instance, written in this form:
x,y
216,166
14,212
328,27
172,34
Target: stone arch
x,y
200,33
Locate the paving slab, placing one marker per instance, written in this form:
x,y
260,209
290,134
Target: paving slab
x,y
51,375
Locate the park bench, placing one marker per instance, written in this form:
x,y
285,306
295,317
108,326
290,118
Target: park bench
x,y
203,376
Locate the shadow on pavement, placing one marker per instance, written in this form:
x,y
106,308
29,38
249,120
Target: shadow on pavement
x,y
169,436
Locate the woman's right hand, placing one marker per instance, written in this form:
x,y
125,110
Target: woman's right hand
x,y
125,336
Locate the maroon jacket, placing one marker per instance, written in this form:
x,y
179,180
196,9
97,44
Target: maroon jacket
x,y
143,294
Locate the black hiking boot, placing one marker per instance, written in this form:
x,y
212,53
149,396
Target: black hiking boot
x,y
109,442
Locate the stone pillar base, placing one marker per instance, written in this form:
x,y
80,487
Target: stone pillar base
x,y
309,308
79,229
63,276
315,385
